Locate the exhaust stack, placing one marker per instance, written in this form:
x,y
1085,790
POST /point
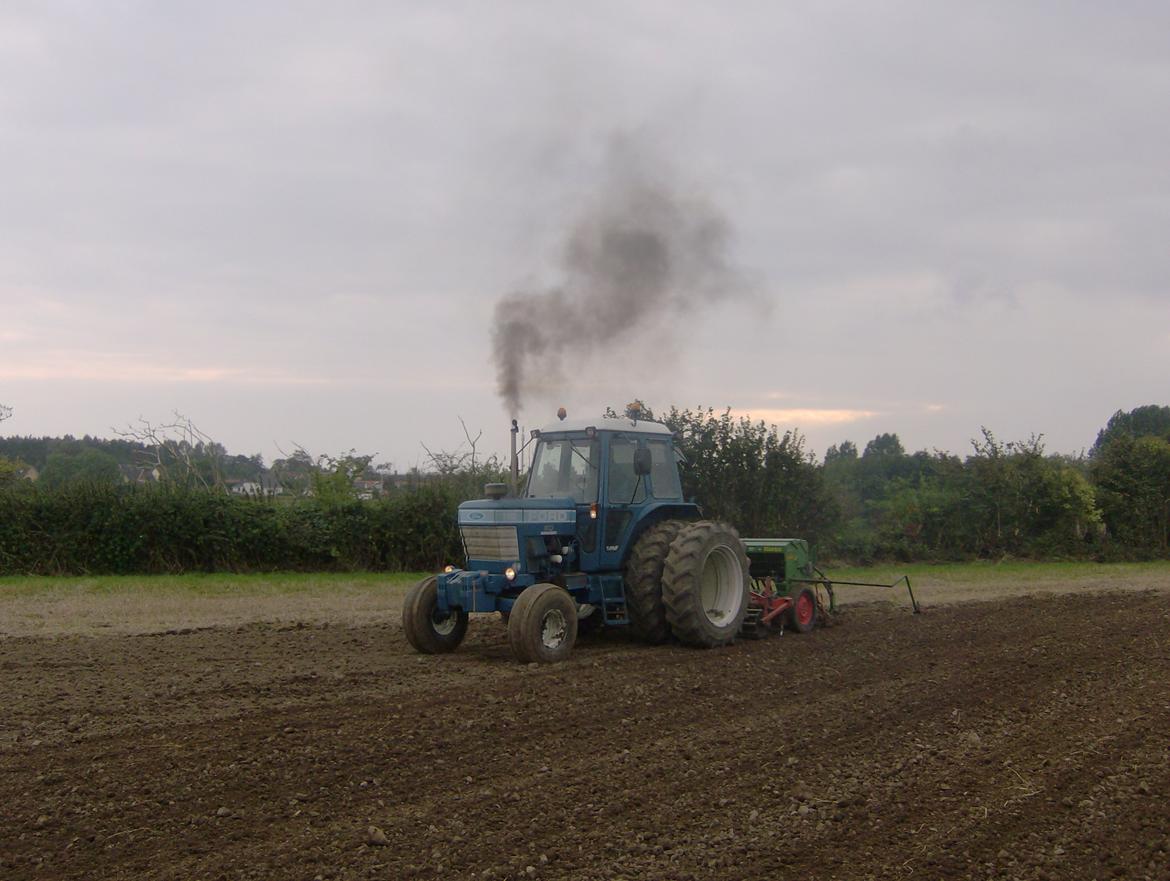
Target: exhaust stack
x,y
515,460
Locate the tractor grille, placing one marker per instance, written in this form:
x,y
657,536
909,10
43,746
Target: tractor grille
x,y
491,543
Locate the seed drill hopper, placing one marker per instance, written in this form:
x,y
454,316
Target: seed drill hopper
x,y
789,590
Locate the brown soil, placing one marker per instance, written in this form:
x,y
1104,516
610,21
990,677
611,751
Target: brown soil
x,y
1026,738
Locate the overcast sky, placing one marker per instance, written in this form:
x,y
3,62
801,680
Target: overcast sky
x,y
291,221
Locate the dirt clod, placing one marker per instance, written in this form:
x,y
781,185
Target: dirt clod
x,y
377,837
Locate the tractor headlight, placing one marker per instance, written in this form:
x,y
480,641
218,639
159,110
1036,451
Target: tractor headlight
x,y
510,574
448,568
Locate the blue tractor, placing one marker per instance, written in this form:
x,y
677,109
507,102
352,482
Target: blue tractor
x,y
599,535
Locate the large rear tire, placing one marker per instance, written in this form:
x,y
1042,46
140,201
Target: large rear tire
x,y
644,582
706,584
427,629
543,625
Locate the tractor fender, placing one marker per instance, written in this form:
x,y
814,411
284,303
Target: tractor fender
x,y
655,513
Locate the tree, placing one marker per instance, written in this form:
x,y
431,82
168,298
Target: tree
x,y
884,445
1017,500
847,451
178,451
295,472
751,475
1148,421
636,409
332,480
870,477
1133,488
463,472
327,478
86,465
11,470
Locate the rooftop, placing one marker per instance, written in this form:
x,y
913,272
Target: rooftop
x,y
601,423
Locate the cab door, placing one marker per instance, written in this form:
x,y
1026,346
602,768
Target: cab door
x,y
625,493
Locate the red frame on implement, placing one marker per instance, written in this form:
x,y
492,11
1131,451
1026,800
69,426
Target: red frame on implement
x,y
771,606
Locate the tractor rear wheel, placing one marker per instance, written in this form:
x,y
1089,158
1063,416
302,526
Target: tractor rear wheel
x,y
706,584
803,616
428,629
543,625
644,582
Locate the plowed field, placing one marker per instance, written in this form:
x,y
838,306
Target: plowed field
x,y
1025,738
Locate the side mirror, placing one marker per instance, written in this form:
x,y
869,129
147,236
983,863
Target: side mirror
x,y
642,461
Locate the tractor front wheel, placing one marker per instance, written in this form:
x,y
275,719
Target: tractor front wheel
x,y
543,625
429,630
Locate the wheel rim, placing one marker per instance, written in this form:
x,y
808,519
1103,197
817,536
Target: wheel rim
x,y
805,609
554,629
443,623
721,587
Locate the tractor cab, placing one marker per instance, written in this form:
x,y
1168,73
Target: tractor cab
x,y
617,472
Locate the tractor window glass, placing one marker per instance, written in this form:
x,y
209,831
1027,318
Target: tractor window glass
x,y
663,472
564,469
625,487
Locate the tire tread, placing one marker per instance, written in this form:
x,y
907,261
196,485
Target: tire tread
x,y
643,582
416,620
680,584
522,637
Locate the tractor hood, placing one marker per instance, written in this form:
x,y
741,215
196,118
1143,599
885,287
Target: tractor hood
x,y
527,535
517,511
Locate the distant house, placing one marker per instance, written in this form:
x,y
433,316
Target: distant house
x,y
410,480
265,484
138,474
367,489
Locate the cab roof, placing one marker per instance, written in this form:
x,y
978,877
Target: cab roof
x,y
601,423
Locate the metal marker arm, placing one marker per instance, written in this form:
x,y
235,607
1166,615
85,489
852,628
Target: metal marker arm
x,y
830,582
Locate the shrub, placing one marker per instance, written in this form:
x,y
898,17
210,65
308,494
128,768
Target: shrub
x,y
102,529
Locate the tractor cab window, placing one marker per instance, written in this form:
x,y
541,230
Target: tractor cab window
x,y
564,469
625,487
663,471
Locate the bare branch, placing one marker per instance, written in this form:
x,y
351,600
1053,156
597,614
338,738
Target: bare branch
x,y
446,463
178,451
471,443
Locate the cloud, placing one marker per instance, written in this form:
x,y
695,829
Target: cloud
x,y
209,199
103,368
804,416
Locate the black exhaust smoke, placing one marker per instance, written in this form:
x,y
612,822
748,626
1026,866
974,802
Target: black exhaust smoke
x,y
641,252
